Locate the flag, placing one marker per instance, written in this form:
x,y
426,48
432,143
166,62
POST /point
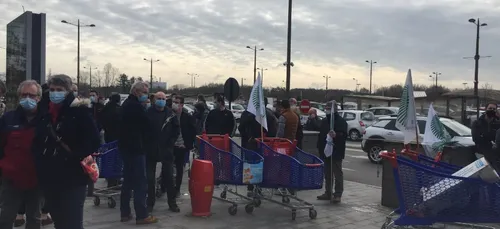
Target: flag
x,y
436,136
329,140
406,120
256,104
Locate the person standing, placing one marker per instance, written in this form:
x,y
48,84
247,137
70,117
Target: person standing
x,y
95,110
19,183
110,117
484,132
74,89
288,122
313,122
132,144
185,141
220,120
65,135
165,131
200,116
333,164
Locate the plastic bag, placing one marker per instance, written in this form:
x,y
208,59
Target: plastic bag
x,y
89,166
329,146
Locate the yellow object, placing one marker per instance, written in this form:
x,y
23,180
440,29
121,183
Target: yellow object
x,y
208,189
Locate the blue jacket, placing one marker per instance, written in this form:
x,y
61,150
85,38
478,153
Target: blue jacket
x,y
59,162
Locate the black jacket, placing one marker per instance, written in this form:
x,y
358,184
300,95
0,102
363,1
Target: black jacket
x,y
111,116
272,123
220,122
249,128
340,128
164,131
95,111
188,130
484,132
313,124
56,166
134,127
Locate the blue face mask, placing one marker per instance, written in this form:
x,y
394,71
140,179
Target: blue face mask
x,y
28,103
57,96
92,99
160,103
143,98
75,94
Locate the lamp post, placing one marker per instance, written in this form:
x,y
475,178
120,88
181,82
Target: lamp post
x,y
357,84
289,63
78,25
193,78
326,78
476,62
262,72
90,77
255,49
436,75
371,62
151,72
465,85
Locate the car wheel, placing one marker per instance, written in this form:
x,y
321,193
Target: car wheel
x,y
354,135
373,154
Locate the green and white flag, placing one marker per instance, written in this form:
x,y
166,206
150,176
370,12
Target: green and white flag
x,y
435,136
256,103
406,120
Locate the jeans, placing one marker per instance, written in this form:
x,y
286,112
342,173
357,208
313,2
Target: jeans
x,y
180,162
22,209
10,200
134,178
66,206
333,167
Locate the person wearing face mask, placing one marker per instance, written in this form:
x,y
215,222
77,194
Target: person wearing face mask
x,y
313,122
165,130
95,110
333,164
74,88
19,183
220,120
111,115
147,104
133,140
484,131
288,122
65,135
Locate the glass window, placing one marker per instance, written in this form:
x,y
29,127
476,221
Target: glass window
x,y
237,107
367,116
348,116
456,127
391,125
421,126
382,123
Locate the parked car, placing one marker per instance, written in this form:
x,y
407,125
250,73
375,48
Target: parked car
x,y
318,106
383,111
190,108
357,121
236,109
384,131
210,105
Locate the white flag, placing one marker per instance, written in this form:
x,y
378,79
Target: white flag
x,y
256,103
435,136
329,140
406,121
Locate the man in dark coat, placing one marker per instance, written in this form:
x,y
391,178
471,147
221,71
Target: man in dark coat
x,y
484,132
111,115
220,120
132,144
96,108
333,164
165,130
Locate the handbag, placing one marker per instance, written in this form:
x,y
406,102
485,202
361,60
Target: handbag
x,y
89,165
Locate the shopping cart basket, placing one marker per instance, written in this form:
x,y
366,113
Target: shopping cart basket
x,y
233,165
428,196
110,166
288,169
432,162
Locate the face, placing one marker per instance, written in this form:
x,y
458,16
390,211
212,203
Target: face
x,y
74,88
177,105
312,113
93,94
491,110
54,88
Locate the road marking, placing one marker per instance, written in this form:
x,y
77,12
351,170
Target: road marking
x,y
348,169
357,157
355,150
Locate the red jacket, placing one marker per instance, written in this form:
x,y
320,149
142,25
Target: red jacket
x,y
17,160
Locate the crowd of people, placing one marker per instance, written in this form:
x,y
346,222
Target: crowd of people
x,y
53,129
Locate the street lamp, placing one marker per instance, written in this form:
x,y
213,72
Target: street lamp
x,y
90,69
436,75
371,62
357,84
78,25
288,62
476,62
255,49
193,78
326,78
262,72
151,72
465,85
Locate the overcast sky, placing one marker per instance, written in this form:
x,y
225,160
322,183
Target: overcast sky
x,y
329,37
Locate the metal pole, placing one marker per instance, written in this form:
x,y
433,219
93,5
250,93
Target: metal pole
x,y
371,75
242,80
151,77
90,82
289,48
436,81
326,77
476,69
194,81
78,57
254,63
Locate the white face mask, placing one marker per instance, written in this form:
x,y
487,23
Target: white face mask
x,y
175,107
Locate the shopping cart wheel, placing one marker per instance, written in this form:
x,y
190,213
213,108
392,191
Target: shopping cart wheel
x,y
294,214
285,200
223,195
257,202
233,210
249,208
97,201
313,213
111,202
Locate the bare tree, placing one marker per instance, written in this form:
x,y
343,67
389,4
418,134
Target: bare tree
x,y
114,72
487,89
107,71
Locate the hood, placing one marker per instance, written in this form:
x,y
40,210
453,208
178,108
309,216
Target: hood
x,y
80,103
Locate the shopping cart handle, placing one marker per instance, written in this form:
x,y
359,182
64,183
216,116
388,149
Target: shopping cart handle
x,y
313,165
391,157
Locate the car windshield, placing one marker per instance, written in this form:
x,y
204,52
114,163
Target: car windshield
x,y
318,106
459,128
237,107
189,106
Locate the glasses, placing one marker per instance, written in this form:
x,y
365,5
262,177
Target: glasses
x,y
29,95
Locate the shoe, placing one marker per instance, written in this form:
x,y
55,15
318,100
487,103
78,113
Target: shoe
x,y
147,220
178,195
336,199
324,196
174,208
125,219
19,222
47,220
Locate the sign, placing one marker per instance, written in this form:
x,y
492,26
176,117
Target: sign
x,y
252,173
305,105
231,89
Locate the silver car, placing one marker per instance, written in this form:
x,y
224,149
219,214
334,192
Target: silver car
x,y
383,111
357,121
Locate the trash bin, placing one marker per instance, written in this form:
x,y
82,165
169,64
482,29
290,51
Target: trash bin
x,y
459,155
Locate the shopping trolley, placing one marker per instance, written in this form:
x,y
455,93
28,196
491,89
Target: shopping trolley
x,y
288,169
233,165
429,195
110,166
428,161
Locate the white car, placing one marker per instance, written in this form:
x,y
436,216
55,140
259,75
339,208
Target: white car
x,y
357,122
383,111
236,109
189,108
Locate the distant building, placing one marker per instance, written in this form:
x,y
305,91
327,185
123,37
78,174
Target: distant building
x,y
161,85
25,51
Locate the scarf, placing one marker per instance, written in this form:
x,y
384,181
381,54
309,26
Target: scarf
x,y
54,111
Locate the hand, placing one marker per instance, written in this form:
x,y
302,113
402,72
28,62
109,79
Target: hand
x,y
332,134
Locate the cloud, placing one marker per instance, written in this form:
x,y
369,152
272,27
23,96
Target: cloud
x,y
334,38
